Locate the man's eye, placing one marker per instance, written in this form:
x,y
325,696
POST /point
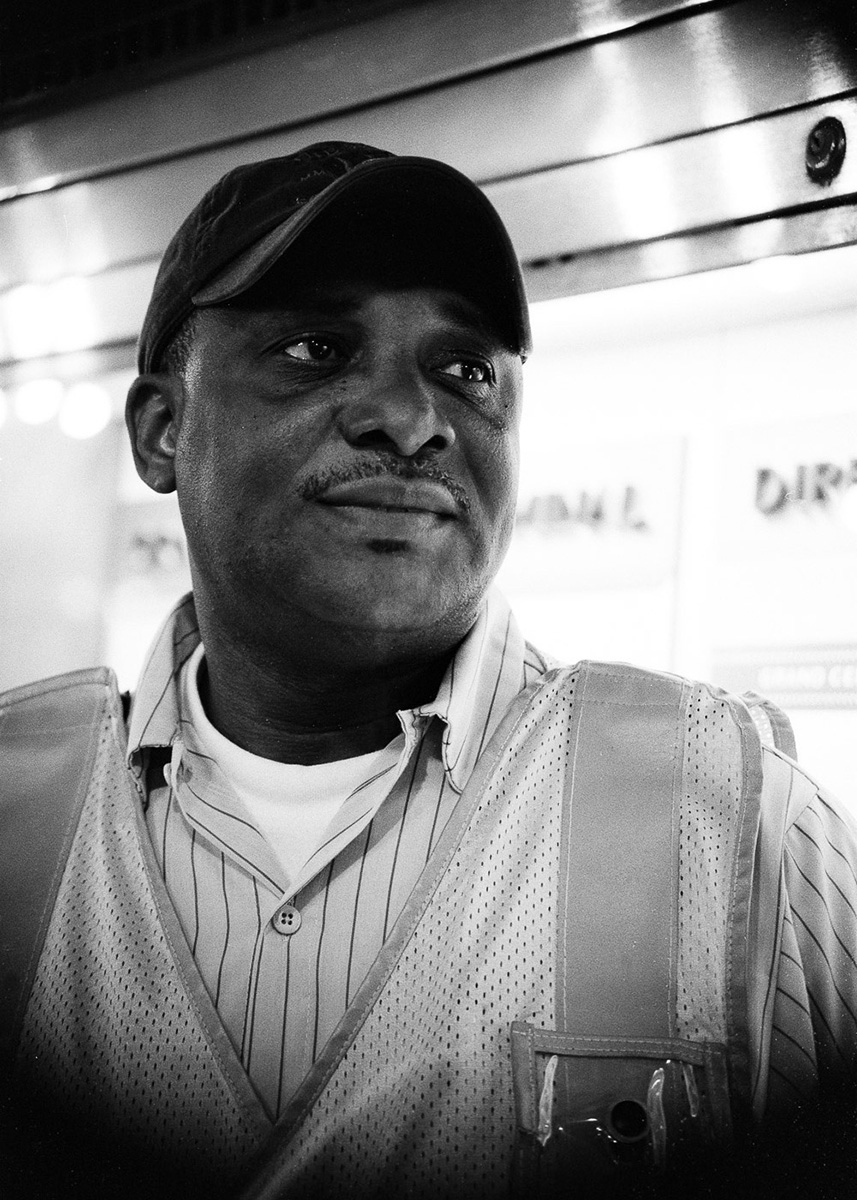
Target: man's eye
x,y
312,349
469,371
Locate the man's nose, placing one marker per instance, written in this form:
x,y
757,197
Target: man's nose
x,y
400,414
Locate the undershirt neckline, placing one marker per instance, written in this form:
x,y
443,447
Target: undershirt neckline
x,y
289,803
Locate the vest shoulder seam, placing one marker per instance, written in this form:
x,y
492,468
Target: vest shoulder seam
x,y
91,677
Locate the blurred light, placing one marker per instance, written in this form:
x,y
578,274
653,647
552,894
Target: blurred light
x,y
49,318
754,186
4,408
724,98
70,314
615,126
85,410
641,187
44,184
25,321
38,401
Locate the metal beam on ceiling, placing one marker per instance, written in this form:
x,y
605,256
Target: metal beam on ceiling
x,y
663,149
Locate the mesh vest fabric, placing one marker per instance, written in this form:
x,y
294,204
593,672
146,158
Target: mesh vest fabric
x,y
112,1033
711,795
419,1102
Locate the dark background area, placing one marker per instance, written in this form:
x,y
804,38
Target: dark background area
x,y
57,53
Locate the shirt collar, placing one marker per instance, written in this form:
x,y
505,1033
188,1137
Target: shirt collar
x,y
483,678
155,710
481,682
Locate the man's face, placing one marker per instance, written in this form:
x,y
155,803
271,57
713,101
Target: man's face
x,y
349,456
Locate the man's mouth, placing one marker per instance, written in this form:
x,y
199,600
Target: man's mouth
x,y
386,482
392,493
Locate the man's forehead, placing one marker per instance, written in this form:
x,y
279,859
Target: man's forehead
x,y
348,296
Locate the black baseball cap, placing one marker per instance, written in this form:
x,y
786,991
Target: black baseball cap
x,y
244,224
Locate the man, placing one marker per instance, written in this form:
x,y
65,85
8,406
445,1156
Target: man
x,y
372,898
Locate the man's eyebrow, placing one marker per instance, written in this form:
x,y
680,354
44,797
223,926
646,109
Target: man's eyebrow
x,y
461,311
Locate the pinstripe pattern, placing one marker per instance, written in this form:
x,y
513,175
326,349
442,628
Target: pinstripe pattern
x,y
818,1022
280,997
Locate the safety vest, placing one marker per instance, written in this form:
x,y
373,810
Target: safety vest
x,y
568,987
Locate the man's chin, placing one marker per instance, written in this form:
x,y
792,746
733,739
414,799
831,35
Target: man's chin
x,y
407,608
416,613
391,590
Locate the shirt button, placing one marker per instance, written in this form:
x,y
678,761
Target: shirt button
x,y
286,919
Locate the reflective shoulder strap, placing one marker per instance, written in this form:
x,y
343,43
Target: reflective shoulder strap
x,y
775,728
617,938
617,928
49,734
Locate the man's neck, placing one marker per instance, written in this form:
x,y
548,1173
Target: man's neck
x,y
308,716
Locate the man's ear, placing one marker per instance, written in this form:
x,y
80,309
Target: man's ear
x,y
153,416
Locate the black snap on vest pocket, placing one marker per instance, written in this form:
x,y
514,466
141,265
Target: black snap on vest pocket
x,y
603,1116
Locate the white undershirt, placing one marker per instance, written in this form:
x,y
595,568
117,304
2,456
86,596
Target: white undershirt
x,y
291,805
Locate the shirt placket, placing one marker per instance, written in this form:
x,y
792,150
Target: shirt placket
x,y
360,807
211,805
278,1044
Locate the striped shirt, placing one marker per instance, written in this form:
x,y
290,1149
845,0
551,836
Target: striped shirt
x,y
281,958
280,995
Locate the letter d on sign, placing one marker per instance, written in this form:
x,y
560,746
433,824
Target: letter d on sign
x,y
771,491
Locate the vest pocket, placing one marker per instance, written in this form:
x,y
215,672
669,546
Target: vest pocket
x,y
609,1115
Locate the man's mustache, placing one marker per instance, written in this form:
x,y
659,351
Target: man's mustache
x,y
315,485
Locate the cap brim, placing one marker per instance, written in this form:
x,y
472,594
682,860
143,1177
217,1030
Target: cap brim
x,y
435,178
